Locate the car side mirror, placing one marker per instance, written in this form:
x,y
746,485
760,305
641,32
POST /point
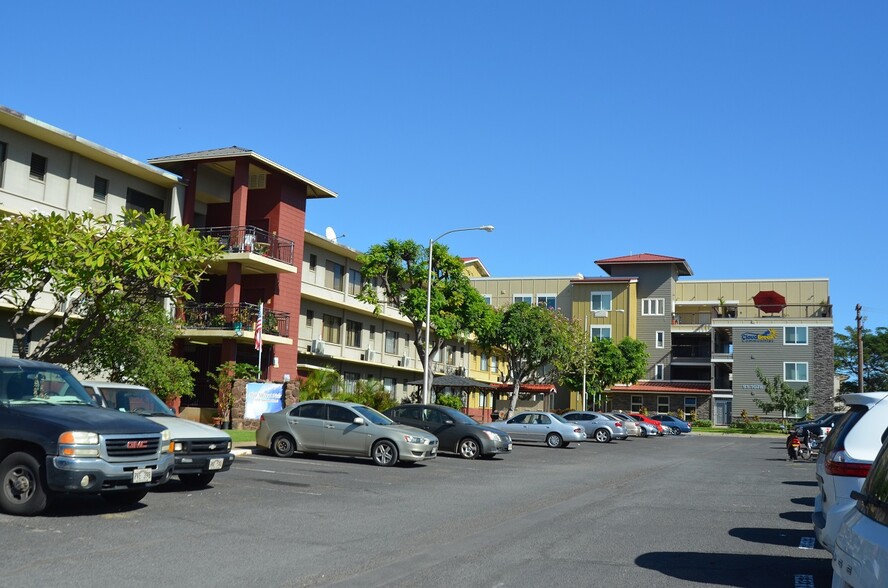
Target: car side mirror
x,y
448,422
358,421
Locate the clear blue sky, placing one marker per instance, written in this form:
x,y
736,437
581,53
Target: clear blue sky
x,y
749,138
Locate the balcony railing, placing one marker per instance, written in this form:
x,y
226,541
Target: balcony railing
x,y
250,239
228,315
750,312
691,351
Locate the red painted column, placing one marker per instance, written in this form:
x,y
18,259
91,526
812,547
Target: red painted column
x,y
239,190
190,175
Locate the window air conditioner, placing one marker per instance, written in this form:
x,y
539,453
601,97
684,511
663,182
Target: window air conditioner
x,y
600,314
370,355
405,361
317,346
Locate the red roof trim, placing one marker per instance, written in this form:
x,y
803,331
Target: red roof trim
x,y
526,388
665,388
641,258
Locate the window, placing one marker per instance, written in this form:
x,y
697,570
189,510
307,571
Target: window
x,y
332,328
351,380
391,342
355,282
340,414
663,404
142,202
333,279
312,262
38,167
316,410
493,364
795,372
3,162
652,307
484,365
599,333
690,407
309,323
636,403
388,384
601,301
523,298
487,298
795,335
661,339
353,333
100,189
659,370
373,336
546,300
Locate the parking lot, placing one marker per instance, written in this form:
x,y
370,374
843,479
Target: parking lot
x,y
674,511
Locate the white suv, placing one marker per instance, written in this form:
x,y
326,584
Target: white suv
x,y
845,459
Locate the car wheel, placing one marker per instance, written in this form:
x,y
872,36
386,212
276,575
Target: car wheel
x,y
124,497
23,492
644,432
197,481
469,448
385,453
804,453
676,431
283,445
602,436
554,440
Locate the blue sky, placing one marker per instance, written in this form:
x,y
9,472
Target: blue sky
x,y
749,138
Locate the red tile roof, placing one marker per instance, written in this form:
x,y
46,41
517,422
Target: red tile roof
x,y
527,388
664,387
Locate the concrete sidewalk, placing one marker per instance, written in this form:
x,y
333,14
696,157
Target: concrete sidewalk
x,y
244,448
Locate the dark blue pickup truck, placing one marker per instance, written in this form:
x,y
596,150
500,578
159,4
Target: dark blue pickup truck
x,y
54,439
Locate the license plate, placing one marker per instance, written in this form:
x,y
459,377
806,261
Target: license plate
x,y
141,476
216,463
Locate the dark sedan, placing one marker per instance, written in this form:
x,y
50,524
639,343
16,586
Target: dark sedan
x,y
456,432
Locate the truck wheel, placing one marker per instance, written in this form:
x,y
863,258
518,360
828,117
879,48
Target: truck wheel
x,y
197,481
23,491
124,497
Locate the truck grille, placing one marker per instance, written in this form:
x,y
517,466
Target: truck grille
x,y
208,446
132,446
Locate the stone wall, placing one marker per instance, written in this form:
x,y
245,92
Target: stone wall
x,y
239,403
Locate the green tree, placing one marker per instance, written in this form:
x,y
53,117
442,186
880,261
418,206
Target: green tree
x,y
781,396
320,384
401,269
69,272
222,381
875,358
534,340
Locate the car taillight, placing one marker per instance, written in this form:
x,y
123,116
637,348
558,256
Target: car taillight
x,y
619,424
839,464
578,430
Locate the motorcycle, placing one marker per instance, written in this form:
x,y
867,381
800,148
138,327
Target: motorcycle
x,y
802,445
793,445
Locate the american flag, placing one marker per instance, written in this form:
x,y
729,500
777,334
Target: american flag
x,y
257,336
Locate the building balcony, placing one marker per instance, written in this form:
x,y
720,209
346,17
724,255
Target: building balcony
x,y
697,320
213,322
258,251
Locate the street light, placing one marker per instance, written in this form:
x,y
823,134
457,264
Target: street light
x,y
426,381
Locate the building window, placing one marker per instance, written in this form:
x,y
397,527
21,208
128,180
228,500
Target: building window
x,y
332,328
795,335
389,384
312,262
333,279
662,404
355,282
38,167
599,333
309,323
373,336
484,364
601,301
391,342
661,339
652,307
546,300
351,379
635,403
659,370
690,408
100,189
353,333
487,298
795,372
523,298
493,364
2,160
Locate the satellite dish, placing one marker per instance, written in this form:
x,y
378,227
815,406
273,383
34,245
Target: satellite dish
x,y
330,234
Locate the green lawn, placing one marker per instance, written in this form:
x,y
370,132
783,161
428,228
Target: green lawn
x,y
242,436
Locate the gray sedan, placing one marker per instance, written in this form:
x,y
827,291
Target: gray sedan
x,y
343,428
542,427
598,426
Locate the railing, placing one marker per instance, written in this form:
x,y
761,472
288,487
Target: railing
x,y
230,315
691,351
751,311
250,239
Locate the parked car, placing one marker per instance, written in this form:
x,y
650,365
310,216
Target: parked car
x,y
456,432
673,423
343,428
645,419
201,451
644,429
598,426
861,549
821,426
631,425
542,427
845,459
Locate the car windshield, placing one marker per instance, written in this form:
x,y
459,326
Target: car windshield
x,y
138,400
458,417
377,418
41,386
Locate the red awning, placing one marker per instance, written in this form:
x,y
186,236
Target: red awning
x,y
769,301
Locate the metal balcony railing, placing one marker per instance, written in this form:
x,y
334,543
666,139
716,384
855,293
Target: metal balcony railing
x,y
251,239
229,316
691,351
750,311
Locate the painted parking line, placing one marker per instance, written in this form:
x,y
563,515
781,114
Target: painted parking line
x,y
804,581
806,543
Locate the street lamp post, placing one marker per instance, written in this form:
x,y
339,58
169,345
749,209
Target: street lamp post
x,y
426,380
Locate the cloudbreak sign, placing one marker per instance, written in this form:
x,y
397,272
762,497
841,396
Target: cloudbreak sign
x,y
768,336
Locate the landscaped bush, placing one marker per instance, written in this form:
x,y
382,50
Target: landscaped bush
x,y
701,423
450,400
758,426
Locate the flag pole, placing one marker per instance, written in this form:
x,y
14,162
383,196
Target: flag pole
x,y
257,336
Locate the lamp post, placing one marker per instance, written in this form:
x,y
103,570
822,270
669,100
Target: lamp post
x,y
426,380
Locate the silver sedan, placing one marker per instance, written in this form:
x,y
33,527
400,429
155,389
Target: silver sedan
x,y
542,427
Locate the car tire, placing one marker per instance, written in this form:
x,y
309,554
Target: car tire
x,y
197,481
469,448
554,440
384,453
644,432
283,445
602,436
125,497
676,431
23,492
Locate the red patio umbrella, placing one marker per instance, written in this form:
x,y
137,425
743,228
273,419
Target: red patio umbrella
x,y
769,301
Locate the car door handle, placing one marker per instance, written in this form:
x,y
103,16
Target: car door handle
x,y
329,426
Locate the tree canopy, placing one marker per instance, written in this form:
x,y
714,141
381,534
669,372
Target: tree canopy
x,y
782,397
875,358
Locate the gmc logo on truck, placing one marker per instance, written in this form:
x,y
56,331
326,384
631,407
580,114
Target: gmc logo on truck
x,y
136,444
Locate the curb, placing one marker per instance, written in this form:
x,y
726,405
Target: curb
x,y
241,451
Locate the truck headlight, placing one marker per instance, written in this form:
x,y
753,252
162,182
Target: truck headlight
x,y
166,444
79,444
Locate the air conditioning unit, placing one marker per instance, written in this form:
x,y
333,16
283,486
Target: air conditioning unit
x,y
317,346
460,371
371,355
404,361
600,314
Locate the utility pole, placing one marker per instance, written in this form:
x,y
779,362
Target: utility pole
x,y
859,350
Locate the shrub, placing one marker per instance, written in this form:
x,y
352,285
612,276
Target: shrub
x,y
451,401
701,423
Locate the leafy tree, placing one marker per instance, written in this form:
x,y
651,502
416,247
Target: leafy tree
x,y
781,396
320,384
71,271
451,400
534,339
401,269
875,358
222,381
